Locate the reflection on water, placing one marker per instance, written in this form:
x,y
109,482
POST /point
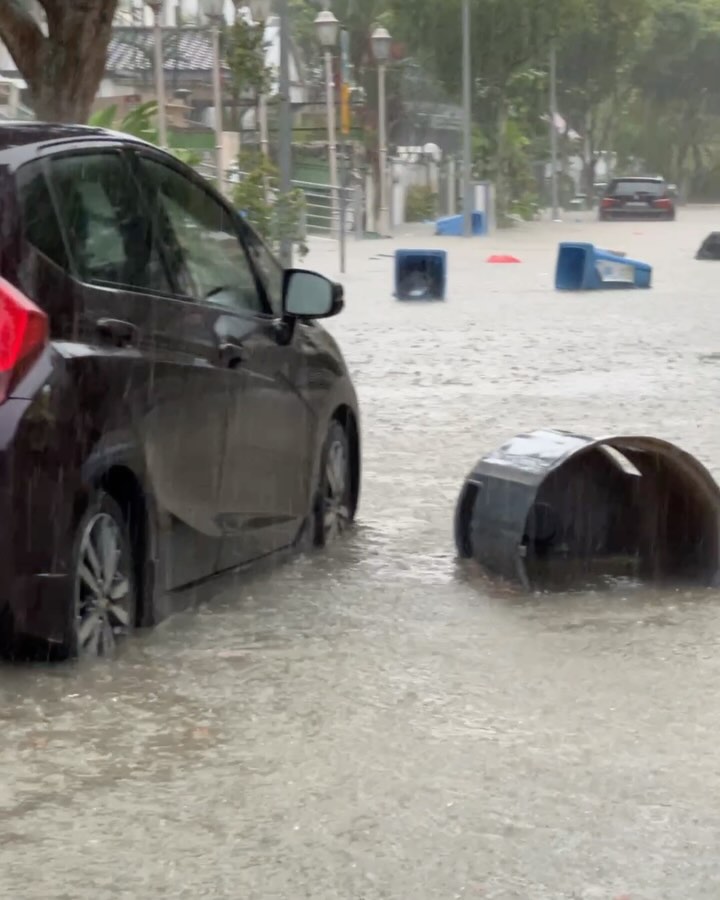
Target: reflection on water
x,y
381,721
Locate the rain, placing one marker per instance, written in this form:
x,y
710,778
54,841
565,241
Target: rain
x,y
378,718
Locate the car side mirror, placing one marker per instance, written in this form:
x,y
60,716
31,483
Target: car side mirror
x,y
309,295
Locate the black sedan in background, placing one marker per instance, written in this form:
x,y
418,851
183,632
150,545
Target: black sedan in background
x,y
170,407
638,197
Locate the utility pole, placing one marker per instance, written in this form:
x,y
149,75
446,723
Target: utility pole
x,y
467,121
285,126
554,134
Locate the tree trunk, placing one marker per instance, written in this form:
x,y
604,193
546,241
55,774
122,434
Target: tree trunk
x,y
63,71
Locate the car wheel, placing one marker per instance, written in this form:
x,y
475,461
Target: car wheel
x,y
333,506
104,599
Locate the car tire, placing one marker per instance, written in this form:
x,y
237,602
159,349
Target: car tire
x,y
333,513
103,605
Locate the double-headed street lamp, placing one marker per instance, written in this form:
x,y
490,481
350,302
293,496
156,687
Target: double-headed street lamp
x,y
328,28
381,45
157,7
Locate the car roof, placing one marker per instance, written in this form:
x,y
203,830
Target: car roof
x,y
29,134
638,178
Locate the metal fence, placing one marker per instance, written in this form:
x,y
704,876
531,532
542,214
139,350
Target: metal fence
x,y
318,217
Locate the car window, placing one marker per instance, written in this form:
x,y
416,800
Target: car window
x,y
269,268
40,224
630,188
204,234
109,237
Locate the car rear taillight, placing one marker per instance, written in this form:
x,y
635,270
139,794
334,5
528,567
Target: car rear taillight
x,y
607,202
663,203
23,334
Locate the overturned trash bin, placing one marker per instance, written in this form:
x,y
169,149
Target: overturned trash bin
x,y
554,510
583,267
454,226
420,274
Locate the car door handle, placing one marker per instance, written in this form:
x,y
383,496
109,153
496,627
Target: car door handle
x,y
231,355
117,331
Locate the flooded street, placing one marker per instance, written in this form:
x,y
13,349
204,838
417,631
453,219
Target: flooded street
x,y
380,722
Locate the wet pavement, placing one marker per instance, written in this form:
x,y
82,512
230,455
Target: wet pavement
x,y
379,722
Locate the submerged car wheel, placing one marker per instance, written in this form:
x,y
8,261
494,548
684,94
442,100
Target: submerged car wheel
x,y
104,595
333,508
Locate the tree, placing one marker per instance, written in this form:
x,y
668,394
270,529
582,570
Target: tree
x,y
63,69
509,38
595,59
676,101
244,50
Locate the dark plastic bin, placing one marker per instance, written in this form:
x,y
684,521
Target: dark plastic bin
x,y
420,274
582,267
555,510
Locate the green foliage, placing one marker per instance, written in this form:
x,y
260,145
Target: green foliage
x,y
244,51
274,216
420,204
140,123
671,116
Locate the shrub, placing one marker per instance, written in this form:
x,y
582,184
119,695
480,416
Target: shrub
x,y
274,216
420,204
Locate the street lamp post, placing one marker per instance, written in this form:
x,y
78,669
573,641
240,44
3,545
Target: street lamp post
x,y
284,122
467,122
214,13
260,10
157,7
381,44
327,27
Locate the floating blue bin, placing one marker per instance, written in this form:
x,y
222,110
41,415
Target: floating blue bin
x,y
420,274
454,226
582,267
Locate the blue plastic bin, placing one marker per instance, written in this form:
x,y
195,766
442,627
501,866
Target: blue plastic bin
x,y
420,274
453,226
582,267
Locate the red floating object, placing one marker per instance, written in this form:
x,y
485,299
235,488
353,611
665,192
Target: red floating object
x,y
502,258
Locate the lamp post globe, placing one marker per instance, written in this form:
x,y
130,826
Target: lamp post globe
x,y
381,42
327,28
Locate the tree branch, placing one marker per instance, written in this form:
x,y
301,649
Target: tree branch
x,y
22,36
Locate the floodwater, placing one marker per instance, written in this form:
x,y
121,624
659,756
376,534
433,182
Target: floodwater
x,y
379,722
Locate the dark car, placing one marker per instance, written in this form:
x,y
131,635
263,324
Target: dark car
x,y
637,197
169,406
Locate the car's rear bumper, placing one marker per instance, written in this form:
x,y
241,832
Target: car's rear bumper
x,y
637,213
34,584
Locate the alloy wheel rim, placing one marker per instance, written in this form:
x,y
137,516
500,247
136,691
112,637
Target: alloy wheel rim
x,y
337,513
103,593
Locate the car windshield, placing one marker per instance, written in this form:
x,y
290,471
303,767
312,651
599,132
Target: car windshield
x,y
636,186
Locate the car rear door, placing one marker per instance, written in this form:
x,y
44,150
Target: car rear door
x,y
149,393
264,482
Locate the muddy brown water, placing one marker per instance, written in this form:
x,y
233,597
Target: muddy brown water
x,y
378,721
